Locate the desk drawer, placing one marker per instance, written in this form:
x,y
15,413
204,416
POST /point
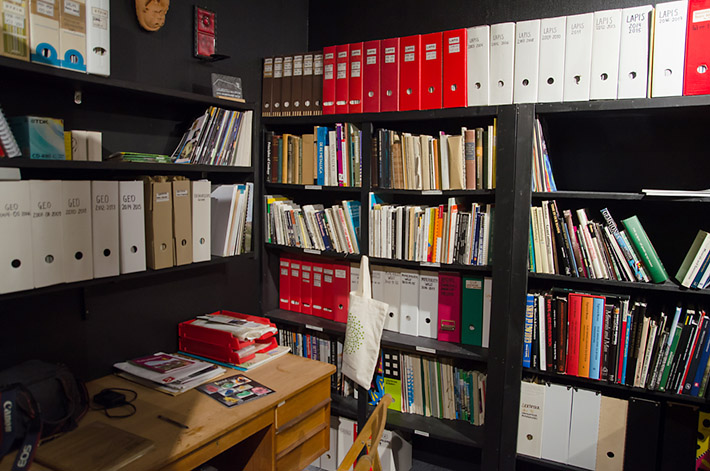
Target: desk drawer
x,y
302,430
297,407
304,454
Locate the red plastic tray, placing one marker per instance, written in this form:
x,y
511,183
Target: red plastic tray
x,y
222,353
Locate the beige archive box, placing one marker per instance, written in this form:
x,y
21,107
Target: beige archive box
x,y
158,222
182,222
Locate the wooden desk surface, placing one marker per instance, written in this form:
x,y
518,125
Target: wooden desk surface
x,y
208,420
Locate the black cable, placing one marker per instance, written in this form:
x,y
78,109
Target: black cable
x,y
111,398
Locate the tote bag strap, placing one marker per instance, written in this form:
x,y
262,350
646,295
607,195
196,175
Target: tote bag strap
x,y
364,288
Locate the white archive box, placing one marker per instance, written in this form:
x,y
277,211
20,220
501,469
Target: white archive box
x,y
201,222
16,268
47,246
131,223
104,223
76,230
502,61
527,61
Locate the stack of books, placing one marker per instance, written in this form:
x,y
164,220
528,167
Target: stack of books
x,y
330,156
313,226
171,374
465,161
439,234
232,208
590,249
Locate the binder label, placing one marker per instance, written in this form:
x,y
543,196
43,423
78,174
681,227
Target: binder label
x,y
45,7
342,54
312,251
371,60
426,350
389,59
314,327
356,52
355,69
314,187
16,9
422,433
701,15
371,52
474,284
431,47
431,55
329,72
409,57
72,8
409,48
162,197
329,56
179,193
454,48
339,273
454,40
389,50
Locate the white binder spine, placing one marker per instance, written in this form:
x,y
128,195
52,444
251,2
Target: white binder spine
x,y
409,306
478,65
502,60
104,220
131,223
578,57
605,55
98,37
47,248
428,303
16,267
669,48
391,288
634,51
527,60
76,231
552,59
201,222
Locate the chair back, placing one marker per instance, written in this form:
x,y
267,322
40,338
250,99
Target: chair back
x,y
368,438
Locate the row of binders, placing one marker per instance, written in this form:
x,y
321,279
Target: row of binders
x,y
444,162
66,231
218,137
619,340
292,85
330,156
583,428
313,227
590,249
437,234
424,386
71,34
621,53
443,306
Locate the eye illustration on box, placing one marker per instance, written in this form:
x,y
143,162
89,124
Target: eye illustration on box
x,y
151,13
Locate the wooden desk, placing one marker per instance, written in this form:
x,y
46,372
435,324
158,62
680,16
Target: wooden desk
x,y
285,430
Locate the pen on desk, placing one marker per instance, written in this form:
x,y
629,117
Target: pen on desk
x,y
171,421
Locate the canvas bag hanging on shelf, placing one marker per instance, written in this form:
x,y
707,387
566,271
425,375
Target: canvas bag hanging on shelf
x,y
363,332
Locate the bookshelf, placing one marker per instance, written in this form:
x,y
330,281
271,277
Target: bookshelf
x,y
132,116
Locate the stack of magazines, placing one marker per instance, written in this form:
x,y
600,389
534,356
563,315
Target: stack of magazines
x,y
171,374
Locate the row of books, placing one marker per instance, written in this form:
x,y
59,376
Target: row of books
x,y
585,429
71,34
443,306
218,137
445,162
425,386
330,156
432,234
619,340
320,348
313,226
232,208
591,249
621,53
66,231
693,272
292,85
542,177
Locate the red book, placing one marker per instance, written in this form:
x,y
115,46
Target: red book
x,y
355,89
455,44
389,75
431,71
317,289
306,286
328,99
295,282
371,77
574,318
696,80
284,282
328,297
549,342
341,291
342,81
690,356
410,77
449,329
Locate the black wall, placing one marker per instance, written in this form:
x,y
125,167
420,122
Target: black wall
x,y
91,328
365,20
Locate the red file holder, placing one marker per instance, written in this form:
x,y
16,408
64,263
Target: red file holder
x,y
220,345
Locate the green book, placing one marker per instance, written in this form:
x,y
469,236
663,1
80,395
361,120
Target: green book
x,y
671,354
439,392
393,378
472,311
645,249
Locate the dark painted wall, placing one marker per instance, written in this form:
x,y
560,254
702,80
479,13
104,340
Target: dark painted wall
x,y
91,328
371,19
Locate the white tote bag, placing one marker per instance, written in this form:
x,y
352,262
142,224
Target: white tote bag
x,y
363,331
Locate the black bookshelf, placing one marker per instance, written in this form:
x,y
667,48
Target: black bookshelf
x,y
419,345
71,166
589,195
184,270
637,104
545,464
67,79
600,284
325,253
455,431
483,194
481,269
292,188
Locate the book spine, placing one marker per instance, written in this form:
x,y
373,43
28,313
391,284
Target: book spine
x,y
527,340
646,251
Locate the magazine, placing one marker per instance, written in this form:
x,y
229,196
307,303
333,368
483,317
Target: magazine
x,y
234,390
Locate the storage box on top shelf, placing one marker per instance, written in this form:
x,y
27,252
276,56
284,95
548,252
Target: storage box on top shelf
x,y
39,137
